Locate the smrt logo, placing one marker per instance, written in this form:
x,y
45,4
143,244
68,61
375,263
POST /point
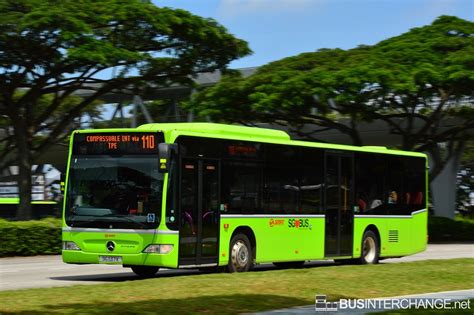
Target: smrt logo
x,y
299,223
274,222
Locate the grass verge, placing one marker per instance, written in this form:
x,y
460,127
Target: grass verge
x,y
244,292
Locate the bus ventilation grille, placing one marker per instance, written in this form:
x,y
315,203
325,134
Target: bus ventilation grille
x,y
393,236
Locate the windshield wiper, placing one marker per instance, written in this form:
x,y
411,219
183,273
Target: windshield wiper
x,y
83,221
125,218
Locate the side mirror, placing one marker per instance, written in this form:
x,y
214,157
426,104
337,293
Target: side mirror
x,y
164,154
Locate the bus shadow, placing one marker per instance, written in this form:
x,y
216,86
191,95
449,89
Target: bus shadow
x,y
125,276
167,273
307,265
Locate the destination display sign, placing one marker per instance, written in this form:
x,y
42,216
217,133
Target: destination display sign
x,y
117,143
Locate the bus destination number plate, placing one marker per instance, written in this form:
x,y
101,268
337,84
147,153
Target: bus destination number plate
x,y
110,259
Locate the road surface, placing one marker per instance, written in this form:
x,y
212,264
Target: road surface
x,y
50,271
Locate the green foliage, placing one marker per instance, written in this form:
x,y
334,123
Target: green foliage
x,y
26,238
467,158
72,36
444,230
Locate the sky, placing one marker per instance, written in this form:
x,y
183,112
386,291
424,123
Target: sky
x,y
276,29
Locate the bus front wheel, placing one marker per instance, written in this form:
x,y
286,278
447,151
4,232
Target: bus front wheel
x,y
370,248
145,271
240,256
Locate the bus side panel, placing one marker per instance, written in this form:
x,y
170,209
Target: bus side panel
x,y
406,236
419,232
169,260
278,239
399,239
224,239
360,225
398,236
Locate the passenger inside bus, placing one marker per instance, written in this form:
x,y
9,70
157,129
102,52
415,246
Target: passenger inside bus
x,y
362,202
393,197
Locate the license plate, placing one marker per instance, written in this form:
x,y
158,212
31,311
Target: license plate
x,y
110,259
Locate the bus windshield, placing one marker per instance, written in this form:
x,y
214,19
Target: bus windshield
x,y
114,192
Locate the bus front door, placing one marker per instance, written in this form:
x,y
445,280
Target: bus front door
x,y
199,212
339,201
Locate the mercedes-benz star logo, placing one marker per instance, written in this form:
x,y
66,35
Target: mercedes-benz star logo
x,y
110,246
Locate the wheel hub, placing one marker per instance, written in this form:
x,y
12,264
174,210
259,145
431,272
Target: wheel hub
x,y
240,255
369,250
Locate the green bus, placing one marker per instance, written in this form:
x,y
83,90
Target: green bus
x,y
204,195
41,208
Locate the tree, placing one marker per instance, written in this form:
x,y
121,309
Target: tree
x,y
55,48
420,84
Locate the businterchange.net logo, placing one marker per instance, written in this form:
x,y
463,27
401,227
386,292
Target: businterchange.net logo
x,y
322,305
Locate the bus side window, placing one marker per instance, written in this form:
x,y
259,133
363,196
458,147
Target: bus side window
x,y
241,187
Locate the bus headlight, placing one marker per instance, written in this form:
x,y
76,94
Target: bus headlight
x,y
159,248
68,245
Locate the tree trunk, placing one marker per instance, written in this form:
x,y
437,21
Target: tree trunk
x,y
24,165
444,185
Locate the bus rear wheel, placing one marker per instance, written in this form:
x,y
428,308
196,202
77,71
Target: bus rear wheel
x,y
145,271
370,248
240,256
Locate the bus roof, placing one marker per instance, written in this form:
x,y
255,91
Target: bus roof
x,y
244,133
219,129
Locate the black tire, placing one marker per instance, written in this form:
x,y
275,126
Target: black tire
x,y
145,271
289,264
240,254
370,248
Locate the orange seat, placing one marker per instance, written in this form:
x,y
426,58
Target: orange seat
x,y
418,198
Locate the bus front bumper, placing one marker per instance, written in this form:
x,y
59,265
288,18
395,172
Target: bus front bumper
x,y
144,259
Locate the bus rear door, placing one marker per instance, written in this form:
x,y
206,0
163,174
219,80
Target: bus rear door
x,y
339,204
